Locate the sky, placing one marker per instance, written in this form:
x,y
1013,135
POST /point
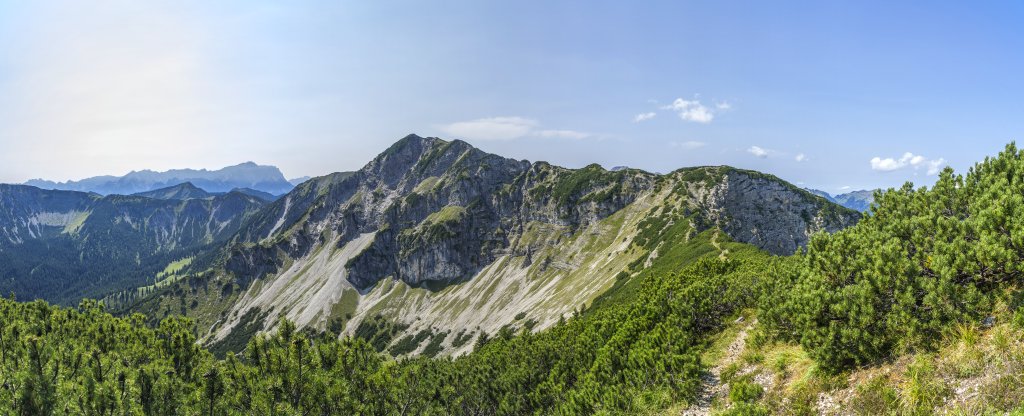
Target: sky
x,y
829,95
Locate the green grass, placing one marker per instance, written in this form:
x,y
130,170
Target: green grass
x,y
427,185
168,276
76,224
446,214
174,267
342,311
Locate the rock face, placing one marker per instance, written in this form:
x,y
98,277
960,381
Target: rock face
x,y
465,240
440,210
771,214
443,210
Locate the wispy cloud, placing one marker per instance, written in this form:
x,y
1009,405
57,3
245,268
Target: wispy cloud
x,y
758,151
694,111
800,157
644,116
506,128
688,145
562,134
491,128
908,160
691,110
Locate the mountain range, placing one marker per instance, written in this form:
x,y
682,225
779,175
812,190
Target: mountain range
x,y
532,282
859,201
438,236
63,246
249,175
430,236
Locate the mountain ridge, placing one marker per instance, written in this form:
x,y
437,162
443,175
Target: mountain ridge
x,y
264,178
859,201
431,228
62,246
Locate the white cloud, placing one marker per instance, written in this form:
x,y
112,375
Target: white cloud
x,y
889,164
758,151
691,111
800,157
506,128
844,188
492,128
688,145
934,166
644,117
562,134
886,164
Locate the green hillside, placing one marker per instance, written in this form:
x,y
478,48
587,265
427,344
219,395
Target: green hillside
x,y
634,353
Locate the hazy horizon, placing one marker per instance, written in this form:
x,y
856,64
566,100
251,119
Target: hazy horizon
x,y
834,97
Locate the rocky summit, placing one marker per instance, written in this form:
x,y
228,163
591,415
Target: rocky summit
x,y
438,235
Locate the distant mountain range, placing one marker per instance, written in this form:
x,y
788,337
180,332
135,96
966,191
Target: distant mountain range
x,y
297,181
248,175
65,245
856,200
187,190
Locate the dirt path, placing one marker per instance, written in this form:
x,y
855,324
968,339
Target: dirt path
x,y
722,253
712,381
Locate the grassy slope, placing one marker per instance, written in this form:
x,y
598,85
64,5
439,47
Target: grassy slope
x,y
976,370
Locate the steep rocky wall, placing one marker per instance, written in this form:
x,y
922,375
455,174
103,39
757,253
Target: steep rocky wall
x,y
771,214
396,194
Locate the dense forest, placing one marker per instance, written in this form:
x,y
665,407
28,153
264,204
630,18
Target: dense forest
x,y
635,353
924,262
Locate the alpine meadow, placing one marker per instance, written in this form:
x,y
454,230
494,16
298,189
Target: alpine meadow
x,y
654,208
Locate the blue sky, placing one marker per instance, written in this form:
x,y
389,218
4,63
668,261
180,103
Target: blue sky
x,y
828,95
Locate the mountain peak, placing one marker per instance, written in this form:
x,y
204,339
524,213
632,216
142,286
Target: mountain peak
x,y
410,142
181,191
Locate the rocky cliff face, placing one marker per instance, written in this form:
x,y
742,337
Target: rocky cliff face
x,y
771,214
440,210
429,221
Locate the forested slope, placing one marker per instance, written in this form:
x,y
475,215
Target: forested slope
x,y
636,350
915,310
